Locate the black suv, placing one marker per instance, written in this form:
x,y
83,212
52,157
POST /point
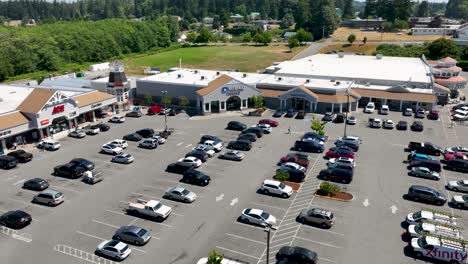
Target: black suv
x,y
457,165
339,174
300,115
239,145
21,155
252,137
209,137
103,127
15,219
402,125
146,132
196,177
417,126
433,165
350,144
426,194
290,113
236,125
295,175
308,146
133,137
296,255
201,155
256,130
8,162
69,170
179,167
89,165
340,118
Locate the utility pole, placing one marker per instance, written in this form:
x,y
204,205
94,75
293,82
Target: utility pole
x,y
165,109
323,32
347,110
268,229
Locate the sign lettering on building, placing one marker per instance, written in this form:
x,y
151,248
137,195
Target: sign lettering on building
x,y
231,91
58,109
71,114
96,105
4,133
297,95
44,122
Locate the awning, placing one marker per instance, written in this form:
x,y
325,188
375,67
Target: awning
x,y
416,97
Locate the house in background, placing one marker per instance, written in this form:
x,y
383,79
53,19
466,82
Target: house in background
x,y
461,35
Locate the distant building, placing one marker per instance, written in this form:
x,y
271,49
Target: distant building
x,y
447,74
289,34
338,12
446,30
236,18
254,16
225,35
208,22
461,35
419,22
363,23
243,25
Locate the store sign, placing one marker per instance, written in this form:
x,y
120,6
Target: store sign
x,y
230,91
44,122
71,114
297,95
4,133
96,105
58,109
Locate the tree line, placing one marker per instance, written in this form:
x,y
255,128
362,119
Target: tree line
x,y
49,47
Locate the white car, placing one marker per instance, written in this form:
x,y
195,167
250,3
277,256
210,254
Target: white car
x,y
457,149
276,188
353,139
149,143
48,144
114,249
117,119
77,134
119,143
384,110
192,161
257,217
315,140
160,139
370,107
352,120
266,128
111,149
377,123
388,124
180,194
216,146
124,158
205,149
408,112
458,186
91,130
292,165
342,161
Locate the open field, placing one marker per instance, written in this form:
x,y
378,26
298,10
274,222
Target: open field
x,y
368,48
341,35
242,58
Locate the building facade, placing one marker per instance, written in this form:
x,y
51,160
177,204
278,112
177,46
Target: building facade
x,y
447,74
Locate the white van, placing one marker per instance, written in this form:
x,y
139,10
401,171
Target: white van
x,y
370,107
446,249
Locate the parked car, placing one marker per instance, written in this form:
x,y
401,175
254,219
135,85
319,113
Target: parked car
x,y
270,122
240,145
252,137
155,109
103,127
79,133
135,114
457,149
341,162
89,165
201,155
457,165
133,235
113,249
8,162
133,137
160,139
232,155
317,216
236,125
36,184
314,135
349,144
296,255
402,125
123,158
297,157
91,130
433,115
353,139
384,110
420,113
460,201
217,146
119,143
278,113
340,118
179,167
256,130
196,177
207,149
145,132
48,144
424,173
209,137
276,188
309,146
292,165
295,175
418,156
69,170
117,119
300,114
370,107
338,174
351,120
49,197
165,111
191,161
290,113
149,143
417,126
433,165
266,129
15,219
257,217
425,148
21,155
111,149
336,152
408,112
426,194
174,111
375,122
328,117
455,155
458,186
180,194
388,124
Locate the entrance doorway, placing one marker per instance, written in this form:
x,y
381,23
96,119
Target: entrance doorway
x,y
233,103
59,124
214,106
299,103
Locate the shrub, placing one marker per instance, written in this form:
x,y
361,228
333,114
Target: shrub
x,y
328,189
282,176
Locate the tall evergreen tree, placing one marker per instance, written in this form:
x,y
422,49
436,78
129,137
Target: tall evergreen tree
x,y
423,9
348,10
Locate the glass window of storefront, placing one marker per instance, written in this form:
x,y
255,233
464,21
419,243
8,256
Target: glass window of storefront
x,y
58,125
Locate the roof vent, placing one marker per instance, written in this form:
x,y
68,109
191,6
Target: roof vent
x,y
279,78
379,56
218,73
337,83
340,54
307,81
179,76
367,83
203,77
332,80
196,71
244,75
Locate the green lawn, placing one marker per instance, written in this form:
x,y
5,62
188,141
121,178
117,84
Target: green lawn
x,y
242,58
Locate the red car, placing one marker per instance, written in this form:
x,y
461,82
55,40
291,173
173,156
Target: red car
x,y
455,155
270,122
433,115
339,152
155,109
291,157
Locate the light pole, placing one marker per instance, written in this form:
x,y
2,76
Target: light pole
x,y
347,110
268,229
164,92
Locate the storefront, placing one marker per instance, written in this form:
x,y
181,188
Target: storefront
x,y
91,105
12,127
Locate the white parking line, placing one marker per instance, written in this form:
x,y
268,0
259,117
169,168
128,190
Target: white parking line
x,y
188,146
106,224
317,242
157,188
132,222
237,252
283,225
178,144
31,204
250,226
285,233
283,244
19,182
328,260
279,208
244,238
276,240
286,228
120,213
322,230
99,238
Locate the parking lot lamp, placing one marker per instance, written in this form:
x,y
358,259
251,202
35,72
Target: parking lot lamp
x,y
347,111
164,92
268,229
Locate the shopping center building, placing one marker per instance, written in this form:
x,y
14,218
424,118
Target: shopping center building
x,y
28,114
319,83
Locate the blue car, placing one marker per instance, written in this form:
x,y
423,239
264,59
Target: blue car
x,y
314,135
416,156
278,113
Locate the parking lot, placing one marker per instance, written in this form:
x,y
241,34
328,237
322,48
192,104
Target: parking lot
x,y
366,229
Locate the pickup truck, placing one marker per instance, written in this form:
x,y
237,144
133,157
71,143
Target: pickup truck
x,y
425,148
150,208
92,177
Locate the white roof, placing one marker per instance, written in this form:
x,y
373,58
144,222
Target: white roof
x,y
255,211
357,67
282,81
12,96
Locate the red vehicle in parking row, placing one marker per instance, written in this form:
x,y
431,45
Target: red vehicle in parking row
x,y
297,158
155,109
338,152
270,122
455,155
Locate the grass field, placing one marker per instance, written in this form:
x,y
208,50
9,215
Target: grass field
x,y
368,48
242,58
341,35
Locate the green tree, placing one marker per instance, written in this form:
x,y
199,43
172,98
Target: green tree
x,y
166,100
318,126
400,24
281,176
192,37
266,38
351,38
323,19
204,36
183,101
258,38
456,9
215,258
348,9
370,9
423,9
247,37
287,21
147,100
464,53
303,36
328,189
293,43
258,101
441,48
364,40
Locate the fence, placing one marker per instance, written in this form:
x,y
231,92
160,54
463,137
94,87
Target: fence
x,y
77,253
14,234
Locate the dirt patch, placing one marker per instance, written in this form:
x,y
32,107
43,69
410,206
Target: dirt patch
x,y
342,33
293,185
340,196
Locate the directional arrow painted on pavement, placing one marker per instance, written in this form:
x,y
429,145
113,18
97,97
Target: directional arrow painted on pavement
x,y
394,209
219,198
366,202
234,201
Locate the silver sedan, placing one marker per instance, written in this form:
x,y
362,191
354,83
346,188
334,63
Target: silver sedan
x,y
180,194
123,158
232,155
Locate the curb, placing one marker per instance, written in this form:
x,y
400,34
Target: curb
x,y
335,199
